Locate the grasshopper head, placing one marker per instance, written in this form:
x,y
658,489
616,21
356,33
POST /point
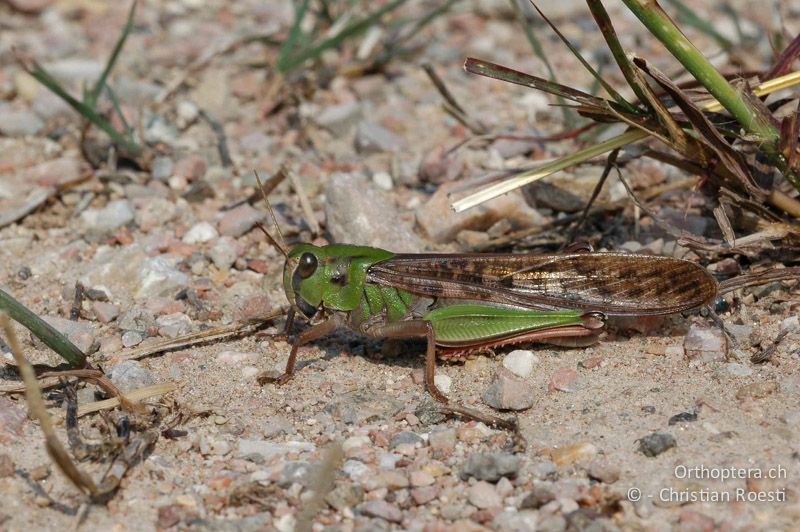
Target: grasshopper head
x,y
303,278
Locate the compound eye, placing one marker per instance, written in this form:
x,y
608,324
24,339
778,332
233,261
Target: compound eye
x,y
307,265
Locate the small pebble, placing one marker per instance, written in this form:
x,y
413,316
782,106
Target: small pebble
x,y
374,138
520,362
491,467
656,443
683,417
199,233
19,123
509,392
741,333
159,275
424,495
130,375
111,217
40,473
12,420
161,168
704,343
563,380
757,390
383,180
405,437
190,167
602,471
224,253
473,433
440,165
691,521
443,382
575,453
727,266
174,325
738,370
235,358
442,439
345,495
340,118
105,312
482,495
132,338
420,479
353,442
239,220
516,521
382,509
792,323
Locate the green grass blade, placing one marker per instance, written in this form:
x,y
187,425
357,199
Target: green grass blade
x,y
429,17
42,76
118,109
294,34
42,330
287,64
603,22
91,99
608,88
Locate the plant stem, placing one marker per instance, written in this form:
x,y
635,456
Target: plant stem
x,y
660,25
42,330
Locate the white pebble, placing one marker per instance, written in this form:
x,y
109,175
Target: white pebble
x,y
790,324
187,113
520,362
354,442
383,180
201,232
443,382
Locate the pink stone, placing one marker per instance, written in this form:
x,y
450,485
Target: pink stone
x,y
239,220
421,478
424,495
562,380
12,420
58,172
191,167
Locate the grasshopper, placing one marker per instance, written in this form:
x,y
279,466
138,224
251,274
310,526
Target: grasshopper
x,y
467,303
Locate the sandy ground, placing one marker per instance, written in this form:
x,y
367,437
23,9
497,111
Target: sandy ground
x,y
350,442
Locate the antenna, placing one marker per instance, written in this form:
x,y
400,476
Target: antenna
x,y
282,245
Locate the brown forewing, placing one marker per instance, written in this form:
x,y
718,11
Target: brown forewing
x,y
615,283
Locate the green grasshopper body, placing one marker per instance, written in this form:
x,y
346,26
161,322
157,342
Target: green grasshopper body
x,y
465,303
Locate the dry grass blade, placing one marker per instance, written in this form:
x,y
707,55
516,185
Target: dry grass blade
x,y
323,483
759,278
305,204
502,73
451,105
733,160
139,394
33,395
778,199
187,340
524,178
783,64
509,424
